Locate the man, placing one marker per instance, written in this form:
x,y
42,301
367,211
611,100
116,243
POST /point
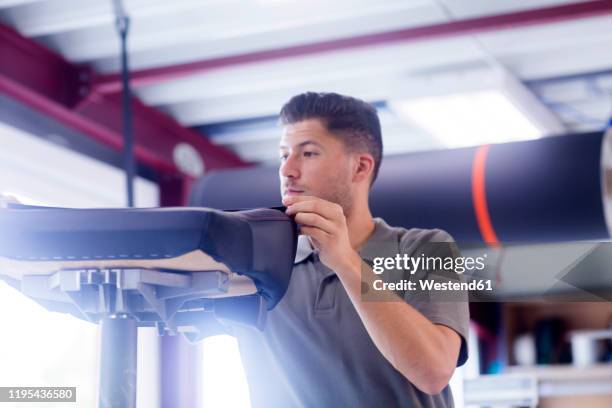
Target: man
x,y
323,345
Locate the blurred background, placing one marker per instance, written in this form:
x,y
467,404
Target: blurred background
x,y
208,79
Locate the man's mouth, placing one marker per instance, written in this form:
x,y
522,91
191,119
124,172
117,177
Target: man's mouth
x,y
293,191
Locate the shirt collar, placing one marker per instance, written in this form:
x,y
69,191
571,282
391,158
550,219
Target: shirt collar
x,y
304,249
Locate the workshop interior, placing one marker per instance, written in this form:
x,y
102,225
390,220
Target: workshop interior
x,y
141,208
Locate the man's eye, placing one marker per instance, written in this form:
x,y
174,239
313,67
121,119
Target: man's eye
x,y
283,157
309,154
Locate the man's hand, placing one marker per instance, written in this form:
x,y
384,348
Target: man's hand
x,y
425,353
325,224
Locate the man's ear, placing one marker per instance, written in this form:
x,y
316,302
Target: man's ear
x,y
363,166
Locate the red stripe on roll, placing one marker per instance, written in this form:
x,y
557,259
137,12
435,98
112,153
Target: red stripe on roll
x,y
479,197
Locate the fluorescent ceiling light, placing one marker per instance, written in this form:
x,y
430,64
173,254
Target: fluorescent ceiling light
x,y
470,119
476,108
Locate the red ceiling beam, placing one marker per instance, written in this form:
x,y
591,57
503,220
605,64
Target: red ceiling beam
x,y
38,69
44,81
112,83
155,130
71,119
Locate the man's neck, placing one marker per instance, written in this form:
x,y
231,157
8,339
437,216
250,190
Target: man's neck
x,y
360,226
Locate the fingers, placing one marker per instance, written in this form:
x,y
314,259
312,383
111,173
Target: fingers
x,y
310,219
316,234
319,219
326,209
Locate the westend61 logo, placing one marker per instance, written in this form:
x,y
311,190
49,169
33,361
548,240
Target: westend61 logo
x,y
413,264
436,271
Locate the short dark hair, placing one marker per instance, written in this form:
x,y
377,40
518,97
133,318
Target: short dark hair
x,y
354,121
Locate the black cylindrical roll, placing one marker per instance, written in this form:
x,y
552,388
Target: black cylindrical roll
x,y
546,190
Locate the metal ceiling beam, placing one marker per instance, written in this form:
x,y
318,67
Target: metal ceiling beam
x,y
155,130
112,83
42,80
39,69
73,120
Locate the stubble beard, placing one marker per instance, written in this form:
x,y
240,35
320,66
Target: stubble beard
x,y
339,192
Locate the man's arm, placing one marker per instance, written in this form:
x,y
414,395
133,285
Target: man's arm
x,y
424,352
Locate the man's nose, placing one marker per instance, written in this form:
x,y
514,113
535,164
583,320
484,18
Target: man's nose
x,y
290,167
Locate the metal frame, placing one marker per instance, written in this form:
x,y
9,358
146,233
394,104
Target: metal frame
x,y
121,300
44,81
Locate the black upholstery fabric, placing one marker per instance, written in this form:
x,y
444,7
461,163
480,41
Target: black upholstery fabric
x,y
258,243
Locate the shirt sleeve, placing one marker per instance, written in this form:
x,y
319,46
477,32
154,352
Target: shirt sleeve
x,y
447,307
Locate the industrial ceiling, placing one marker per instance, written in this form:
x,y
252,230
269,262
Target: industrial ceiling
x,y
223,68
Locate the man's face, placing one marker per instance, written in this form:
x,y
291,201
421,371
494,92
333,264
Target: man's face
x,y
314,162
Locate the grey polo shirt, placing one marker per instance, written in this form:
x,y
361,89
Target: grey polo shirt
x,y
315,351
